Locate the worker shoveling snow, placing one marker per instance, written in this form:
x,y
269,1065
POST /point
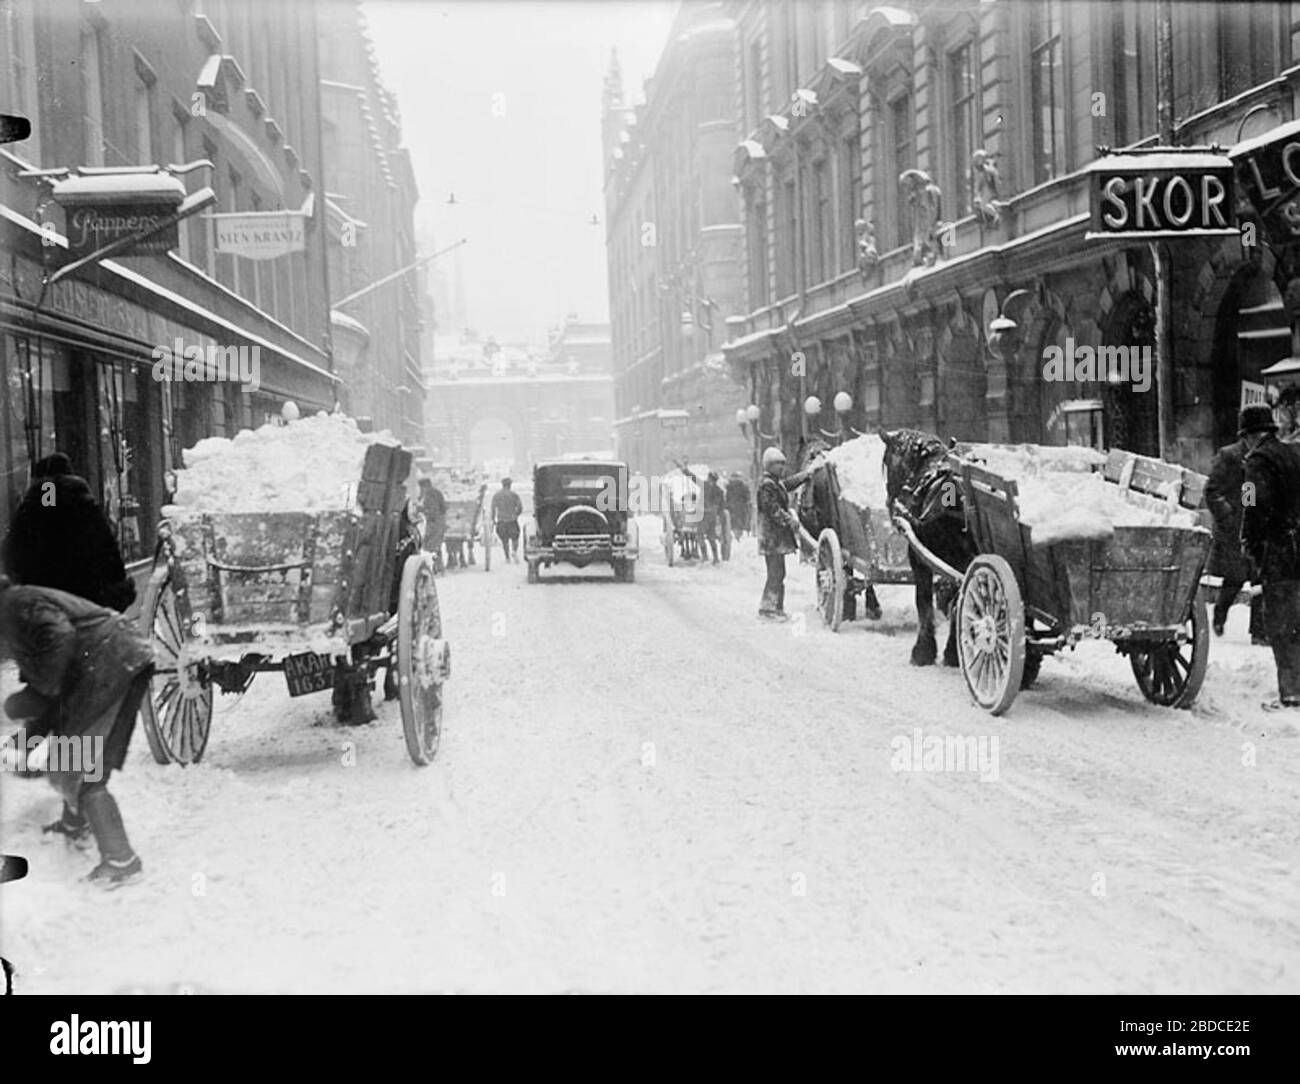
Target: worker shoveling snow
x,y
309,465
1060,494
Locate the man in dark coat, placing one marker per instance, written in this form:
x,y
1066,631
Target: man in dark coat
x,y
776,529
737,500
87,670
1270,535
60,538
433,505
1227,560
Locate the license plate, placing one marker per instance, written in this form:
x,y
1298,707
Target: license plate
x,y
308,673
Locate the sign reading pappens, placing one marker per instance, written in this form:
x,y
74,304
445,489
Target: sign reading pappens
x,y
93,227
260,235
1162,195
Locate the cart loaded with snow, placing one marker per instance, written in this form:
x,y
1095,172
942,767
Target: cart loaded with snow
x,y
1069,544
467,519
281,553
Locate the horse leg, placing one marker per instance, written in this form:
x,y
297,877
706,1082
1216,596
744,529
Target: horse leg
x,y
925,650
950,650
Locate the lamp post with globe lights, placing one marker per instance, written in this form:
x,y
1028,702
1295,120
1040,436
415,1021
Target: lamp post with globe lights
x,y
747,418
843,403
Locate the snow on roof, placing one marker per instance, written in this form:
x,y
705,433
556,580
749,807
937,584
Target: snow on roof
x,y
120,187
1282,131
1161,160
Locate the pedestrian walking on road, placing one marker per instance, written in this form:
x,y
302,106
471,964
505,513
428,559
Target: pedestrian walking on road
x,y
777,524
434,507
1223,496
713,502
506,510
60,538
1270,535
87,670
737,501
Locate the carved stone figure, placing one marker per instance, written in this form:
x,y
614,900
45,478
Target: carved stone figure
x,y
984,183
868,256
925,197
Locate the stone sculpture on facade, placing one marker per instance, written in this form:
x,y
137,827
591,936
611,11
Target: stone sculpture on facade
x,y
924,196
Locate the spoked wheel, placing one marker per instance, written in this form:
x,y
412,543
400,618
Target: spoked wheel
x,y
830,578
421,659
668,543
991,633
177,709
1170,673
726,535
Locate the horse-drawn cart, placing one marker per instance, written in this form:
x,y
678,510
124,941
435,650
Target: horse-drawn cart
x,y
1019,601
467,519
317,596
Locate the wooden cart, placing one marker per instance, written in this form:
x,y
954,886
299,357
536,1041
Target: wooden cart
x,y
316,596
467,524
1019,601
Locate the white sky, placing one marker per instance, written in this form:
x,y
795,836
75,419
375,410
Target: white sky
x,y
526,182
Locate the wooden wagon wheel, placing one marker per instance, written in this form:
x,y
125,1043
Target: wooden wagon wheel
x,y
830,578
177,709
991,633
1170,673
420,662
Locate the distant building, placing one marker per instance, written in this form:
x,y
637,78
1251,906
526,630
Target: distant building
x,y
675,249
511,404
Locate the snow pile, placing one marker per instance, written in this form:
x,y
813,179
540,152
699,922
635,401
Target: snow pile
x,y
459,486
1062,498
859,468
310,465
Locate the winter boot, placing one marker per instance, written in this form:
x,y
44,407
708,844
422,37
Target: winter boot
x,y
119,864
363,711
71,826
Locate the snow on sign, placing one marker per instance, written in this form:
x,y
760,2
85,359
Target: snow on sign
x,y
103,208
1162,195
260,235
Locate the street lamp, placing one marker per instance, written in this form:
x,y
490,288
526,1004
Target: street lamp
x,y
843,403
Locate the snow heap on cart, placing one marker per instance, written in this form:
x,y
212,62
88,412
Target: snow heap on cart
x,y
281,552
1070,543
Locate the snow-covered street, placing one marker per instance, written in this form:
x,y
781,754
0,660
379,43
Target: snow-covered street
x,y
642,788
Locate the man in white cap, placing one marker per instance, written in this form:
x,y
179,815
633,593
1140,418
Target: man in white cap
x,y
776,529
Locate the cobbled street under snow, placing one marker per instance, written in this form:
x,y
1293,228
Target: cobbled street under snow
x,y
641,788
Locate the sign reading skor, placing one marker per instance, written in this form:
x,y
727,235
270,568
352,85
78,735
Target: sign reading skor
x,y
1162,195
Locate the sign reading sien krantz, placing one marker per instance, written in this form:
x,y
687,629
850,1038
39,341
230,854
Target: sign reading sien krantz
x,y
260,235
1168,194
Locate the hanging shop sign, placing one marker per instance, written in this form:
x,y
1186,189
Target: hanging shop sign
x,y
108,206
1162,195
1268,171
260,235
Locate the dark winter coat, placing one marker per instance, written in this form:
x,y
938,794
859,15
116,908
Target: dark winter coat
x,y
60,538
434,506
1270,522
82,658
1223,498
737,499
775,533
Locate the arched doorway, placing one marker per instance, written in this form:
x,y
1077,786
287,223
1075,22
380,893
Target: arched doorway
x,y
1132,416
492,444
1250,333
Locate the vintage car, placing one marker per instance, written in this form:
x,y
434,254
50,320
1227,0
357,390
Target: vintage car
x,y
581,516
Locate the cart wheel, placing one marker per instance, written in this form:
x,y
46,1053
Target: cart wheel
x,y
1170,673
726,535
177,709
419,665
668,543
991,633
830,578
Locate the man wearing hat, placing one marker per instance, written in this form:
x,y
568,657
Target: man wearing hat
x,y
776,529
1227,560
1270,535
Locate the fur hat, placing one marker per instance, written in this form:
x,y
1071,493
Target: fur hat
x,y
1256,418
772,456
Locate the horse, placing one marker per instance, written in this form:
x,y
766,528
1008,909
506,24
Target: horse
x,y
919,477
